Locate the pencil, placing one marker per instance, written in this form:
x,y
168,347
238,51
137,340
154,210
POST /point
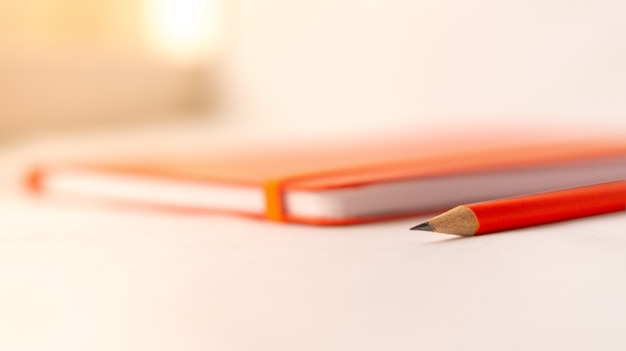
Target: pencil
x,y
530,210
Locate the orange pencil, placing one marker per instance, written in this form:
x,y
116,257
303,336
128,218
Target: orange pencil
x,y
530,210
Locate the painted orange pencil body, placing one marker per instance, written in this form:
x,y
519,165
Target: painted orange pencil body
x,y
524,211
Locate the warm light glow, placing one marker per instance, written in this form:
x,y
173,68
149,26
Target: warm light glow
x,y
182,29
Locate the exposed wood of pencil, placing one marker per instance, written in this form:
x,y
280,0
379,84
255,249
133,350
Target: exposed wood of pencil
x,y
524,211
459,220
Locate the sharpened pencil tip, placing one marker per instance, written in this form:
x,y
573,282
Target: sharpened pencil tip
x,y
424,227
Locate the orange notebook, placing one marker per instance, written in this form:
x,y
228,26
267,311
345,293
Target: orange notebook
x,y
339,184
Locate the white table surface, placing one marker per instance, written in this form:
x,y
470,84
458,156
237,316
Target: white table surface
x,y
77,277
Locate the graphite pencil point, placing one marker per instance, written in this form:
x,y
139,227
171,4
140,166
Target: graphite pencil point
x,y
424,226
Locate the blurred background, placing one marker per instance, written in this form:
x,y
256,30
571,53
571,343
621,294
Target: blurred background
x,y
70,64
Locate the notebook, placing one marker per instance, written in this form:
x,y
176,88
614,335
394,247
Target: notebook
x,y
340,183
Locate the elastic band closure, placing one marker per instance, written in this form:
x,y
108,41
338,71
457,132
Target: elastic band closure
x,y
274,204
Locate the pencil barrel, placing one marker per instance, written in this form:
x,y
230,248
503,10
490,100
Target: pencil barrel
x,y
550,207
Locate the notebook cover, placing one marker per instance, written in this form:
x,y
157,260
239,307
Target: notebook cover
x,y
323,167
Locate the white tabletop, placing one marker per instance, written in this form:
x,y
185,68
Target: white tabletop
x,y
77,278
